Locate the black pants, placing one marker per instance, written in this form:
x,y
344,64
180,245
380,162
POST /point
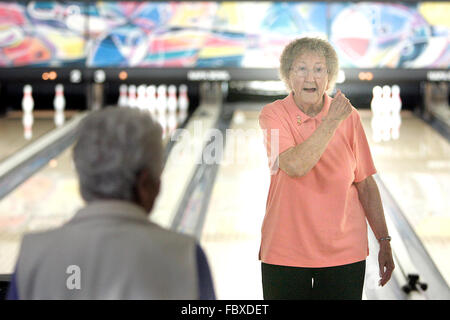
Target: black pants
x,y
332,283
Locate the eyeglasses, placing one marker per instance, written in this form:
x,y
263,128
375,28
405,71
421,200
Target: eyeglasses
x,y
318,72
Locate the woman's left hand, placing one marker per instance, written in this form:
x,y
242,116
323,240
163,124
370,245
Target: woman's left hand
x,y
386,262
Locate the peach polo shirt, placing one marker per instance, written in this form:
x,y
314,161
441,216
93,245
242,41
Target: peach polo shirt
x,y
315,220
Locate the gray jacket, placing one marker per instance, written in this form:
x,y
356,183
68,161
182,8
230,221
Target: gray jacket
x,y
108,250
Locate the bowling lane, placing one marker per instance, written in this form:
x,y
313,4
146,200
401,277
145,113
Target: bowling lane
x,y
416,170
231,233
11,130
46,200
50,197
181,162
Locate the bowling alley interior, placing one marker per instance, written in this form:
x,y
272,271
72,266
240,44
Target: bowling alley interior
x,y
204,70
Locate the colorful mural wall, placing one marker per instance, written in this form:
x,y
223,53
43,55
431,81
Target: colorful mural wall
x,y
382,35
220,34
41,34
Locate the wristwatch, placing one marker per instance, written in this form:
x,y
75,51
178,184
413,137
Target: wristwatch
x,y
388,238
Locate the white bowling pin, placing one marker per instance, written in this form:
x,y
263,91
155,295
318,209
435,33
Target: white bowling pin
x,y
386,96
171,123
141,100
163,122
385,114
377,128
162,99
27,121
59,103
396,100
27,100
396,121
132,101
183,99
59,118
172,99
151,99
375,105
376,102
123,97
396,108
182,115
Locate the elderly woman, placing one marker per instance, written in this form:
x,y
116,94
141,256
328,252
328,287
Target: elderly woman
x,y
109,249
314,235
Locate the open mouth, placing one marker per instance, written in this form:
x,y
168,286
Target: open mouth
x,y
310,90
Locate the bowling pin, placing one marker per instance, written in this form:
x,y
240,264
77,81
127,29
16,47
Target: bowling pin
x,y
141,99
162,99
27,108
59,103
396,119
182,115
123,97
377,128
27,121
376,101
385,114
163,122
396,122
375,106
172,99
132,101
151,99
59,118
27,100
171,122
183,99
396,100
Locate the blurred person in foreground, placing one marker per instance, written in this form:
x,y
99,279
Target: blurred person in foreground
x,y
314,236
109,249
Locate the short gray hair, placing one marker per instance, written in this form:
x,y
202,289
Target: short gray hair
x,y
300,46
113,146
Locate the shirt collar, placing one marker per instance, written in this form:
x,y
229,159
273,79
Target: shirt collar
x,y
115,209
295,110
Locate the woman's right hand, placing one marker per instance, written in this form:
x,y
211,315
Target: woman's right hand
x,y
340,107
